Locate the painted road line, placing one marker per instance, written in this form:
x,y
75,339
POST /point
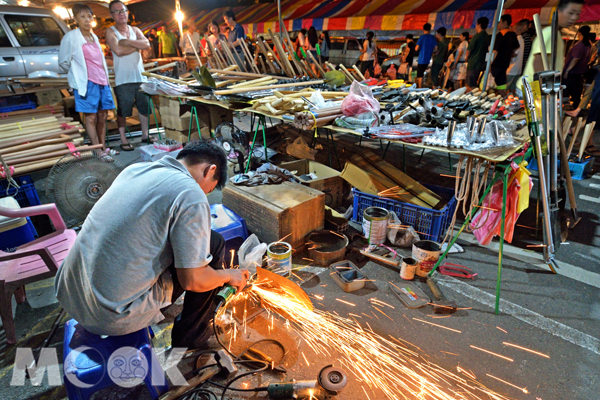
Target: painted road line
x,y
536,260
596,176
530,317
589,198
594,185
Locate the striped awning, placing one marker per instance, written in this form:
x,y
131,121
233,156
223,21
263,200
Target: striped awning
x,y
387,15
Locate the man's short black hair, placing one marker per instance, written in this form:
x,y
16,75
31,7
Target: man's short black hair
x,y
442,31
562,4
483,22
80,7
427,27
115,2
410,36
201,151
507,18
230,14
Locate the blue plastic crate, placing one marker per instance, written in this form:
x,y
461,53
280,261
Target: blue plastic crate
x,y
16,103
431,224
579,170
26,195
16,237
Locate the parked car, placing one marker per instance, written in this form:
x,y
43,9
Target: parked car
x,y
347,51
29,42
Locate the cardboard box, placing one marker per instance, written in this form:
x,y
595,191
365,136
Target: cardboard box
x,y
48,97
322,178
361,179
180,136
151,153
273,212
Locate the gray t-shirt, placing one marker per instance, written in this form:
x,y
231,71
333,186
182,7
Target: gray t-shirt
x,y
115,279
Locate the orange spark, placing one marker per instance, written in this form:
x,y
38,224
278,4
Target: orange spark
x,y
439,326
382,313
524,390
526,349
501,329
307,363
447,352
492,353
346,302
470,375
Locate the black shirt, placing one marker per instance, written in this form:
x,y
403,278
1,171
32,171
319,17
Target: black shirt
x,y
411,52
505,46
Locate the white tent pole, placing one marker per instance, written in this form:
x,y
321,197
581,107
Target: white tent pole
x,y
494,32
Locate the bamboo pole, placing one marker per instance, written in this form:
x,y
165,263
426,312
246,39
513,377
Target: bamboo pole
x,y
59,153
247,74
246,51
34,144
285,85
254,82
47,135
279,66
39,150
354,67
36,166
158,68
166,78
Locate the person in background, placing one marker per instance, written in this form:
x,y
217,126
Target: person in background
x,y
300,43
312,40
410,53
153,39
590,78
188,46
476,52
531,29
369,55
459,68
236,36
167,44
505,48
568,12
325,45
175,31
126,42
576,65
392,72
81,57
426,45
527,39
439,55
215,37
515,68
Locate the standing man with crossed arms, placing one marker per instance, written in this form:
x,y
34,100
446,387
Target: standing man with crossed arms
x,y
125,42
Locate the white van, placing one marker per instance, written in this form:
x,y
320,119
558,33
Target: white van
x,y
29,42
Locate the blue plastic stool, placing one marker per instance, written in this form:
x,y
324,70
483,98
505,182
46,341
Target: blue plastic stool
x,y
227,223
92,363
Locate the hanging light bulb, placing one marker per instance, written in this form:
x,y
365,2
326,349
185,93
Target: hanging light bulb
x,y
179,16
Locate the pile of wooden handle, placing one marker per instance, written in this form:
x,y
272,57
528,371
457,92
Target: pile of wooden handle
x,y
307,120
289,102
30,143
587,133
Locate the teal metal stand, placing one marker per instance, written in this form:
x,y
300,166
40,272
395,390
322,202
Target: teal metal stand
x,y
261,122
151,107
501,171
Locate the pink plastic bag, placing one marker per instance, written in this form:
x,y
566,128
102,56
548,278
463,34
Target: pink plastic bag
x,y
360,100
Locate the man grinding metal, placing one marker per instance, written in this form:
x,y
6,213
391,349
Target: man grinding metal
x,y
144,243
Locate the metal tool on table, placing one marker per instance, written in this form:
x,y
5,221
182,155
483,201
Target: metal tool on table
x,y
329,383
534,133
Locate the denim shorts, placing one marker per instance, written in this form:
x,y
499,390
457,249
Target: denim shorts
x,y
97,97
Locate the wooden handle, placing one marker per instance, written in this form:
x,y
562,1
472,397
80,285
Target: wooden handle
x,y
248,74
540,35
381,259
192,383
158,68
437,293
584,141
165,78
285,85
580,124
564,165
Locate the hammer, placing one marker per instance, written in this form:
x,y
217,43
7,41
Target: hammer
x,y
441,305
224,364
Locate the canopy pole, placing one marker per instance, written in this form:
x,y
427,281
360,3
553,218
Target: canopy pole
x,y
280,19
491,52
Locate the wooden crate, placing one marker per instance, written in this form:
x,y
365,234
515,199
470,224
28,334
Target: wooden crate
x,y
273,212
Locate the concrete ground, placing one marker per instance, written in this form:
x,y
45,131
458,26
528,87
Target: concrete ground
x,y
557,315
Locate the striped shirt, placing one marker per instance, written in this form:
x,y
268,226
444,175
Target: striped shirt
x,y
527,40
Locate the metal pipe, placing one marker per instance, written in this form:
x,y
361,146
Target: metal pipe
x,y
494,32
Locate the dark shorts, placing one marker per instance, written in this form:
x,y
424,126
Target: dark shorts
x,y
421,68
128,94
473,77
499,75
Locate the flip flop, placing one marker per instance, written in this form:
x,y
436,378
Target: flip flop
x,y
149,139
110,152
126,146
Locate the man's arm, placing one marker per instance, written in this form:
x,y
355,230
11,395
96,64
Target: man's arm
x,y
140,43
115,46
203,279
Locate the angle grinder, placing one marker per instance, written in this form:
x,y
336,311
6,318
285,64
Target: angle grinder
x,y
329,384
